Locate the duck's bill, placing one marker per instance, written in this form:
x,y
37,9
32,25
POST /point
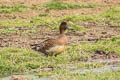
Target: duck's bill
x,y
70,28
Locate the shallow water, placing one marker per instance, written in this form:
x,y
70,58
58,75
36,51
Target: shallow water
x,y
112,67
80,71
29,76
107,61
98,70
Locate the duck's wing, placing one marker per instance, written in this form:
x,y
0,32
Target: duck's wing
x,y
45,45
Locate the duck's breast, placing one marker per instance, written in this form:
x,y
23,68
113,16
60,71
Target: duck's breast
x,y
56,49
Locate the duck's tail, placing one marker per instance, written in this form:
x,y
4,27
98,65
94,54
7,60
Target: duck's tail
x,y
36,47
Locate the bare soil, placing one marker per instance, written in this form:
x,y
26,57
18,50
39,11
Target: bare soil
x,y
78,11
103,55
31,13
26,2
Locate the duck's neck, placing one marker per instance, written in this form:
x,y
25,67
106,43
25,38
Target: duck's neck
x,y
62,37
62,32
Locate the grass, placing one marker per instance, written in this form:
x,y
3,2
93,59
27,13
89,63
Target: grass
x,y
41,20
11,26
105,45
12,9
13,61
45,20
8,31
15,23
59,5
16,60
112,14
77,27
111,75
80,18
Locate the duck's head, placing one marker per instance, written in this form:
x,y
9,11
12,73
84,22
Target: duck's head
x,y
64,26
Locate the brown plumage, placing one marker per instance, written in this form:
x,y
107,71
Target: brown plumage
x,y
53,47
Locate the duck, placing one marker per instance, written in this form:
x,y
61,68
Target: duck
x,y
54,47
